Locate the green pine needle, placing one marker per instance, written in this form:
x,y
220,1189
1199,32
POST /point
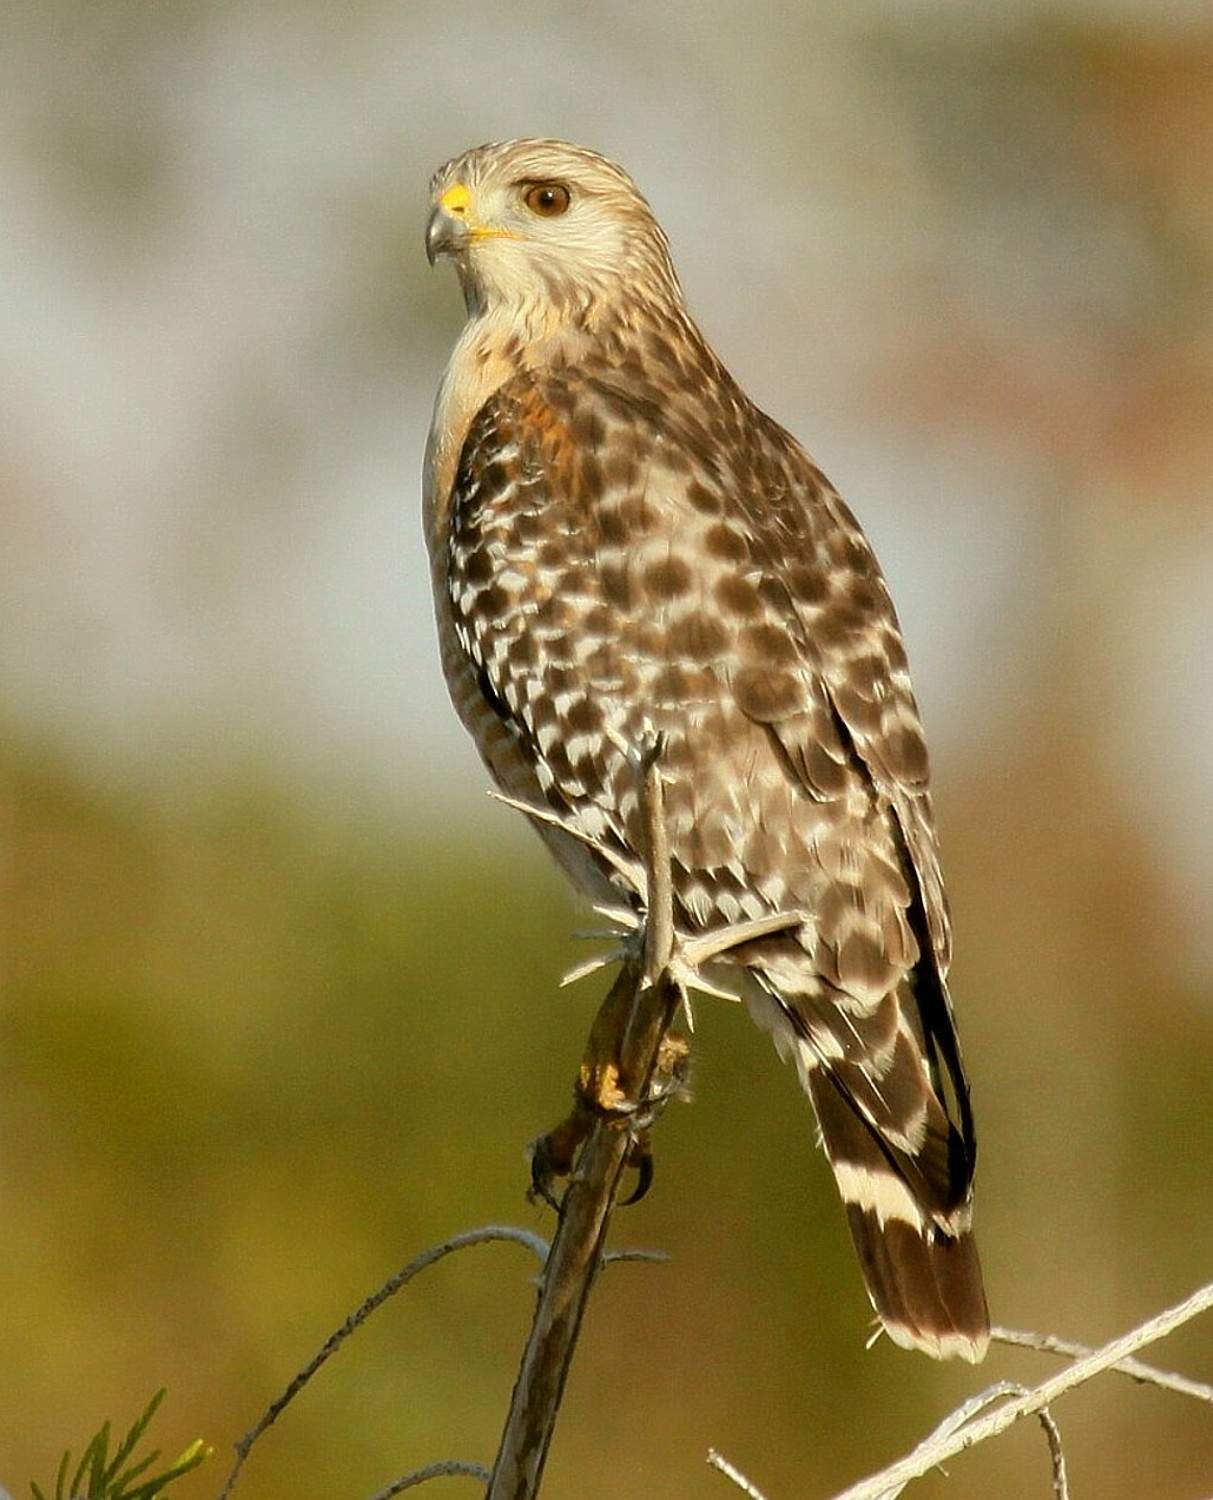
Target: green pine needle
x,y
111,1477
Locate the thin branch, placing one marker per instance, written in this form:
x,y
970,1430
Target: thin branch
x,y
722,1465
1061,1484
956,1420
649,1257
489,1234
975,1405
973,1408
433,1471
642,991
701,950
1048,1343
944,1444
622,867
567,1280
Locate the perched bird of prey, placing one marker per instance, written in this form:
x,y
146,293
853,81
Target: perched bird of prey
x,y
623,545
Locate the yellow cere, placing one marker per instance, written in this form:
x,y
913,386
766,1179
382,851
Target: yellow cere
x,y
456,199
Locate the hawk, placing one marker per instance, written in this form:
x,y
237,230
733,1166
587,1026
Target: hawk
x,y
621,545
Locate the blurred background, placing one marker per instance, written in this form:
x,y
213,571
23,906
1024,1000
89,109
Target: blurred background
x,y
280,1002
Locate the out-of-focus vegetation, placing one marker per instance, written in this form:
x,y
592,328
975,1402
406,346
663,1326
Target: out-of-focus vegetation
x,y
280,1000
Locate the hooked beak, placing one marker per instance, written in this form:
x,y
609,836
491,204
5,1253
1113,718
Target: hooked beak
x,y
445,234
448,231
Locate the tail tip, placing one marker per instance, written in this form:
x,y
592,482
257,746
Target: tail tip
x,y
925,1285
970,1344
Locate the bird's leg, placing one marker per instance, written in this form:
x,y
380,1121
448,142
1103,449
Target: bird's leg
x,y
595,1092
600,1080
610,1086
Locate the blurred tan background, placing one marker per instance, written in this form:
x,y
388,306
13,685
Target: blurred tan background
x,y
280,1005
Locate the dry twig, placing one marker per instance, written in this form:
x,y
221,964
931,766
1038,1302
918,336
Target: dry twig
x,y
419,1476
950,1438
730,1471
1135,1369
1061,1484
432,1471
974,1406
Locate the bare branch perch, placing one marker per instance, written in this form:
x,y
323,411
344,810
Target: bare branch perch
x,y
647,995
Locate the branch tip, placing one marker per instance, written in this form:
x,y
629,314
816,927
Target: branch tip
x,y
721,1464
441,1470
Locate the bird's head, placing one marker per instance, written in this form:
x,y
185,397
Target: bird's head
x,y
543,224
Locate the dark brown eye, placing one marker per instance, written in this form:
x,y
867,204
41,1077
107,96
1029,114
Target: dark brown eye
x,y
547,199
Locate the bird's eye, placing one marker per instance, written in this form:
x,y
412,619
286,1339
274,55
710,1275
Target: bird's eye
x,y
547,199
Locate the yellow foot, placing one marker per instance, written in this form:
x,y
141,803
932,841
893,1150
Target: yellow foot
x,y
605,1089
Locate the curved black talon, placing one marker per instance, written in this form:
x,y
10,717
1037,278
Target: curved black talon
x,y
543,1174
542,1179
644,1178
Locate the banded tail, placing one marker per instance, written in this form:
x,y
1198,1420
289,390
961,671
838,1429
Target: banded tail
x,y
909,1215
